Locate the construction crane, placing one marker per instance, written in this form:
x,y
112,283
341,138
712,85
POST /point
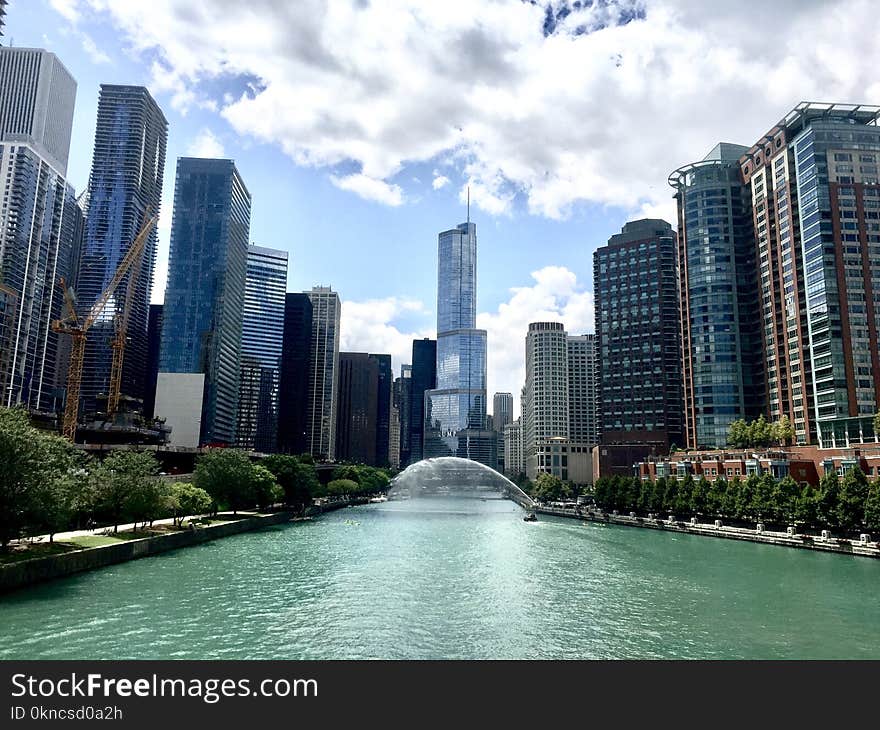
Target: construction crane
x,y
71,325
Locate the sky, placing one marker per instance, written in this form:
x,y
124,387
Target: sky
x,y
358,126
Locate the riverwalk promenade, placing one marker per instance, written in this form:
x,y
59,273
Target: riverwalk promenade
x,y
864,546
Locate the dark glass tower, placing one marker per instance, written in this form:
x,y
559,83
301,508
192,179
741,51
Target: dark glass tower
x,y
383,408
455,412
424,378
125,183
402,398
262,333
720,323
638,325
296,357
154,341
357,408
204,299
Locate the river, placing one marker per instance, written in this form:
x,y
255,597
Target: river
x,y
458,579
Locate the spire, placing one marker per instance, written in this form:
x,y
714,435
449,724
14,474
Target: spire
x,y
469,204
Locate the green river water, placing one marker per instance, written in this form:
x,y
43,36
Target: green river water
x,y
459,579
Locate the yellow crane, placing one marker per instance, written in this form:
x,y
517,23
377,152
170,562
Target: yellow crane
x,y
71,325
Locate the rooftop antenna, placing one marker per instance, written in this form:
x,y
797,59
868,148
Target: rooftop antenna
x,y
468,204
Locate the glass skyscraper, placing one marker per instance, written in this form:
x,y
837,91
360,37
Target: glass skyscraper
x,y
424,378
296,358
204,299
39,220
262,333
455,412
125,185
323,379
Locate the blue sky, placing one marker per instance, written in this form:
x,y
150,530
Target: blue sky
x,y
358,125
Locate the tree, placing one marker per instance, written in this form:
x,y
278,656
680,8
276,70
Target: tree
x,y
746,498
549,488
126,485
785,499
685,493
872,506
737,434
782,430
226,475
297,478
342,487
715,497
700,496
184,500
851,500
265,488
877,426
806,508
730,501
827,498
762,507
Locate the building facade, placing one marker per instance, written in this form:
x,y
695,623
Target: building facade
x,y
502,410
125,188
813,183
323,369
403,403
296,358
514,464
262,335
583,389
154,343
424,378
455,411
204,297
39,221
722,367
357,408
383,409
638,328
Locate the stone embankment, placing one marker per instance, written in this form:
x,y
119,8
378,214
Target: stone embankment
x,y
864,546
37,570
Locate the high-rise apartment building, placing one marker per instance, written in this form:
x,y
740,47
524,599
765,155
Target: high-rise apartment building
x,y
125,187
514,464
39,221
638,328
583,389
812,182
402,399
296,358
502,410
455,412
204,298
383,408
3,4
722,366
262,334
424,379
357,408
545,408
323,378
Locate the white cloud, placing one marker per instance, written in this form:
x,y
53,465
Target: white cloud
x,y
370,188
90,47
439,181
555,296
561,118
66,8
370,326
206,144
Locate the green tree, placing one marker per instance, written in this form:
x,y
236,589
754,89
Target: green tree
x,y
877,425
683,505
297,478
806,510
700,496
827,499
264,487
226,475
746,498
782,431
762,498
737,434
125,485
670,496
851,500
185,499
785,499
550,488
872,506
715,497
342,487
730,502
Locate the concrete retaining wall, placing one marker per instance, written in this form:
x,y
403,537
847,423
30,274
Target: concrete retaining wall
x,y
806,542
28,572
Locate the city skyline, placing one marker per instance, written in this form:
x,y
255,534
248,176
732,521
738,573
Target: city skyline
x,y
97,46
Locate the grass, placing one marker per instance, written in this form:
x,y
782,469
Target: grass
x,y
26,551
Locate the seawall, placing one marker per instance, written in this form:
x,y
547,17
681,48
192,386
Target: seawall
x,y
866,549
37,570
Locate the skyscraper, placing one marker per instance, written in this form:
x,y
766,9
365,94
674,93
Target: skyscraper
x,y
262,334
545,408
502,410
403,403
424,378
3,4
357,408
638,327
124,187
204,298
722,365
812,181
514,465
455,412
583,389
38,222
383,408
154,344
323,378
296,358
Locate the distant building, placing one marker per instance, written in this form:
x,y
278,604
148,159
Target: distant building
x,y
638,327
383,409
125,187
180,399
296,358
154,342
323,373
204,297
583,389
424,378
262,335
403,403
3,4
39,222
720,319
502,410
455,411
514,464
357,408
